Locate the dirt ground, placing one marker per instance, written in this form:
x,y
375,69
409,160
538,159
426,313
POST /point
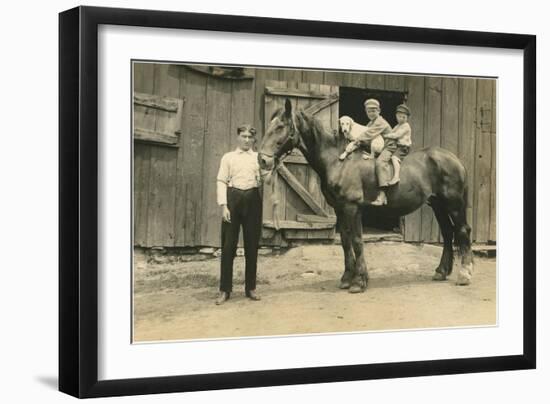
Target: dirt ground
x,y
300,295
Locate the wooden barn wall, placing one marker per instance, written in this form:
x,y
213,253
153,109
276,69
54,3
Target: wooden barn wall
x,y
175,189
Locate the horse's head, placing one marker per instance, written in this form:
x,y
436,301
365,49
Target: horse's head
x,y
280,138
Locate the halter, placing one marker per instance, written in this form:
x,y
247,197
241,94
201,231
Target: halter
x,y
291,136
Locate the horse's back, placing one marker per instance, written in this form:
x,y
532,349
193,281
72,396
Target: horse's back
x,y
440,170
424,173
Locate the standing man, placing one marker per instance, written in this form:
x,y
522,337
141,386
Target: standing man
x,y
239,197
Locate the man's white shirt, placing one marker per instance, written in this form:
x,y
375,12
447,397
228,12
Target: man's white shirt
x,y
238,169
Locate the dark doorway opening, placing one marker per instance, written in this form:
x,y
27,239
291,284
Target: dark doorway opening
x,y
351,104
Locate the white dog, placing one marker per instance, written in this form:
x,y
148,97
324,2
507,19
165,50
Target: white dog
x,y
353,130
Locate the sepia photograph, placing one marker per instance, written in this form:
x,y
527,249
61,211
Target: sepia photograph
x,y
286,201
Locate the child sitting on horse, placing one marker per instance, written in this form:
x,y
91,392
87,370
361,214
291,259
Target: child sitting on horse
x,y
397,146
352,131
369,134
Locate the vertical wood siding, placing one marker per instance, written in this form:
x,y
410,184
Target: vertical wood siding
x,y
175,189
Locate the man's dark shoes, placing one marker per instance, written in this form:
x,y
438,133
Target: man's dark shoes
x,y
251,294
222,297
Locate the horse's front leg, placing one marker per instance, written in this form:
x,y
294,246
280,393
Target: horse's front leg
x,y
360,277
349,257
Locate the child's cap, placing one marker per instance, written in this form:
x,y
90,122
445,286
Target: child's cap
x,y
372,103
403,108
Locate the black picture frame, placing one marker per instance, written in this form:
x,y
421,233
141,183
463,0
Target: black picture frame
x,y
78,196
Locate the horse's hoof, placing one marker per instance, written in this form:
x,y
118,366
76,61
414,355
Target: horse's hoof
x,y
464,276
344,285
462,281
356,289
439,277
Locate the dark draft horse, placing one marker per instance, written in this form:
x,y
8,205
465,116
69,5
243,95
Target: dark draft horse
x,y
431,175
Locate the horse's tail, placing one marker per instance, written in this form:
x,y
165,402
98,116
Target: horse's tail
x,y
462,233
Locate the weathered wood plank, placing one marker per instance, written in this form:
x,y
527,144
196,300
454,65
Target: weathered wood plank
x,y
315,219
293,76
293,224
143,82
292,92
146,135
394,82
466,137
312,76
226,72
144,74
294,202
216,142
449,115
142,169
356,79
449,118
162,197
493,200
335,78
415,86
432,137
259,102
319,106
296,234
376,81
168,104
145,118
482,196
493,226
190,160
162,201
300,190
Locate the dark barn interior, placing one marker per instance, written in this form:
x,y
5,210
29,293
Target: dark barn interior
x,y
351,104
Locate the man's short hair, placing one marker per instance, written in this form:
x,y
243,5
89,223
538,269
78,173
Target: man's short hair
x,y
246,128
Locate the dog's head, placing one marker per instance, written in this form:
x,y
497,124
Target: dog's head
x,y
346,123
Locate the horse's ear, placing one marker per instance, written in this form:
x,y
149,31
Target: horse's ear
x,y
288,108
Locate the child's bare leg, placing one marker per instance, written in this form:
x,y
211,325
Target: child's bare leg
x,y
349,149
367,156
396,168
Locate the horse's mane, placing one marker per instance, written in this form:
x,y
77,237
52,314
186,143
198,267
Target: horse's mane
x,y
309,123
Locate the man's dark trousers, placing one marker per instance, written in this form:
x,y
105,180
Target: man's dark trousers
x,y
245,207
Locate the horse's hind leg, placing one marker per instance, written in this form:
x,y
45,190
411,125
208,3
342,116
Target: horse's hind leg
x,y
462,240
446,264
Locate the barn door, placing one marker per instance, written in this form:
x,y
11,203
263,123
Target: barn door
x,y
157,125
294,206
